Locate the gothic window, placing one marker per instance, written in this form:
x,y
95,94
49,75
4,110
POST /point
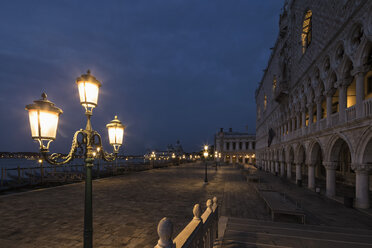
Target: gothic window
x,y
265,102
306,31
274,83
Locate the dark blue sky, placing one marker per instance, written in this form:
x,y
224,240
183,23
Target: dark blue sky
x,y
170,69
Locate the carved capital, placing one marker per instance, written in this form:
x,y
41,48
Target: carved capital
x,y
361,168
344,82
359,71
330,92
319,99
330,165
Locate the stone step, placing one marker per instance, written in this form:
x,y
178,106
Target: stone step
x,y
254,233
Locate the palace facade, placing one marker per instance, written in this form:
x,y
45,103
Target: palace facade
x,y
235,147
314,103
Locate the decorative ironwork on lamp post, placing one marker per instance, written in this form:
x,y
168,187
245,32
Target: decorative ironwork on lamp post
x,y
44,115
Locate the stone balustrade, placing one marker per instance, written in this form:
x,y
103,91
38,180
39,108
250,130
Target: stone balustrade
x,y
368,107
335,119
201,231
350,113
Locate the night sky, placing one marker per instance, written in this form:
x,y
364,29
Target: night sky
x,y
170,69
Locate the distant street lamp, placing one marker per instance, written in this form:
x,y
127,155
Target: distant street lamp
x,y
205,158
40,161
44,115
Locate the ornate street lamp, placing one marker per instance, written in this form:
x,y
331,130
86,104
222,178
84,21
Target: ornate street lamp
x,y
44,116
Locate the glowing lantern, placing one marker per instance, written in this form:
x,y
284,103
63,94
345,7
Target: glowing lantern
x,y
116,133
88,87
43,116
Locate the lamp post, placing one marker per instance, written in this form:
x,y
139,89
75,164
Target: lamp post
x,y
153,157
40,161
43,117
205,158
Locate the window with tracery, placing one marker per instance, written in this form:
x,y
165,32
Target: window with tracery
x,y
274,83
306,31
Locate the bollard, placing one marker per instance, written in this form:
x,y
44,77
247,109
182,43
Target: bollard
x,y
165,231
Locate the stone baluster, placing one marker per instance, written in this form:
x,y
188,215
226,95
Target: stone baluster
x,y
331,178
311,176
165,231
361,184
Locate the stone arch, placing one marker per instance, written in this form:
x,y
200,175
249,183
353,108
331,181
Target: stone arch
x,y
345,68
341,156
282,155
290,156
339,54
301,154
363,55
364,147
354,37
331,81
326,67
334,146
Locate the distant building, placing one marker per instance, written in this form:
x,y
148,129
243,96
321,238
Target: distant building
x,y
176,149
235,147
314,103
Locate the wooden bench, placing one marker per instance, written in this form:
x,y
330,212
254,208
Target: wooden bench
x,y
278,205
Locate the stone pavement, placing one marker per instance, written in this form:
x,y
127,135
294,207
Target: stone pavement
x,y
126,208
319,209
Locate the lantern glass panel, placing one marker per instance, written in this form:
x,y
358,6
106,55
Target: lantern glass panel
x,y
116,135
46,122
34,120
88,93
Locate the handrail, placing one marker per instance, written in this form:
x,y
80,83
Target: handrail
x,y
201,231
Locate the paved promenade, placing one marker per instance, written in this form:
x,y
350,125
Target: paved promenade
x,y
128,208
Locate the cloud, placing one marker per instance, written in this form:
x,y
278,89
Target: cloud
x,y
171,69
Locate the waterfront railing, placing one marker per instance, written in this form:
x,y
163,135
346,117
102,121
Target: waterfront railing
x,y
49,175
